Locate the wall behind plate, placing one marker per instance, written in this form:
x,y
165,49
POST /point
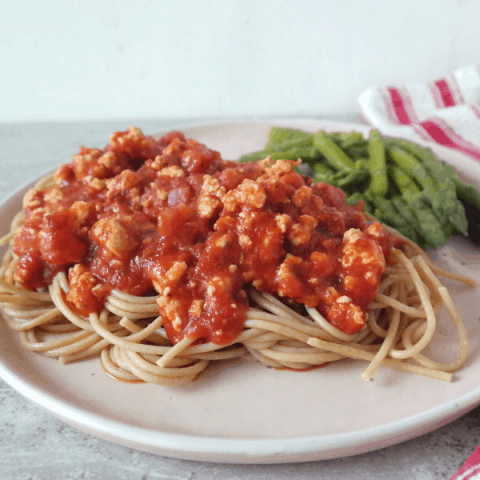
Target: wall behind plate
x,y
95,59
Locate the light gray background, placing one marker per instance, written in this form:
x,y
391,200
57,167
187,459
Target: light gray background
x,y
85,59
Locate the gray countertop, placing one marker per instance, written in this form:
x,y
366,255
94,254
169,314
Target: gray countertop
x,y
36,446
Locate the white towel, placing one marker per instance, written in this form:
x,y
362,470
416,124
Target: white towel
x,y
445,110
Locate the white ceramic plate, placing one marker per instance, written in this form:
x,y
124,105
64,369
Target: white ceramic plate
x,y
247,413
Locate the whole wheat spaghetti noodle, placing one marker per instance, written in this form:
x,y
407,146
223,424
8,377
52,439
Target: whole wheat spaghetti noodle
x,y
131,334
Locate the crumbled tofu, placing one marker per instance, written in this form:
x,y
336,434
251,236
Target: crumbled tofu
x,y
370,254
196,308
173,171
174,148
29,200
248,218
351,235
283,222
170,308
161,193
177,323
302,231
266,162
282,166
162,300
81,211
357,314
208,205
78,276
245,240
158,163
132,132
210,198
224,240
171,277
95,182
217,283
247,193
111,235
302,196
350,282
284,271
124,181
176,272
109,159
54,195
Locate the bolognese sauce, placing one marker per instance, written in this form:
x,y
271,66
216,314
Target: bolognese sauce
x,y
170,216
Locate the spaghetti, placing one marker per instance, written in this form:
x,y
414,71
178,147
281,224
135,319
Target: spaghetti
x,y
68,307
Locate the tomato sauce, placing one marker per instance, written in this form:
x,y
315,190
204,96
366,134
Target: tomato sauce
x,y
170,215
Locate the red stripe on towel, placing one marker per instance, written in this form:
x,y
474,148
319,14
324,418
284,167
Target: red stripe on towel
x,y
420,131
470,469
440,132
446,94
400,107
437,96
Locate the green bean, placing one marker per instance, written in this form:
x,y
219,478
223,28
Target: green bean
x,y
323,176
347,140
332,152
405,183
431,228
353,139
322,168
413,231
410,163
306,153
292,154
391,216
378,165
443,175
336,136
401,206
280,135
289,144
409,190
428,224
252,157
286,144
357,151
437,191
353,178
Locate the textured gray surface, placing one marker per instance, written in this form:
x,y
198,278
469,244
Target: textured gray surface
x,y
36,446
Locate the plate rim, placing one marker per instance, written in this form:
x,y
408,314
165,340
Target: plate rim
x,y
237,450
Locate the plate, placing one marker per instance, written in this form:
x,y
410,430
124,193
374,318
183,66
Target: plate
x,y
245,412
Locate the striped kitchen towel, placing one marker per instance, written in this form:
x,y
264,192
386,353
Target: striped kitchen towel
x,y
445,110
470,470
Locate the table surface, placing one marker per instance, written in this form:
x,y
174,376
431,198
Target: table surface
x,y
35,445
